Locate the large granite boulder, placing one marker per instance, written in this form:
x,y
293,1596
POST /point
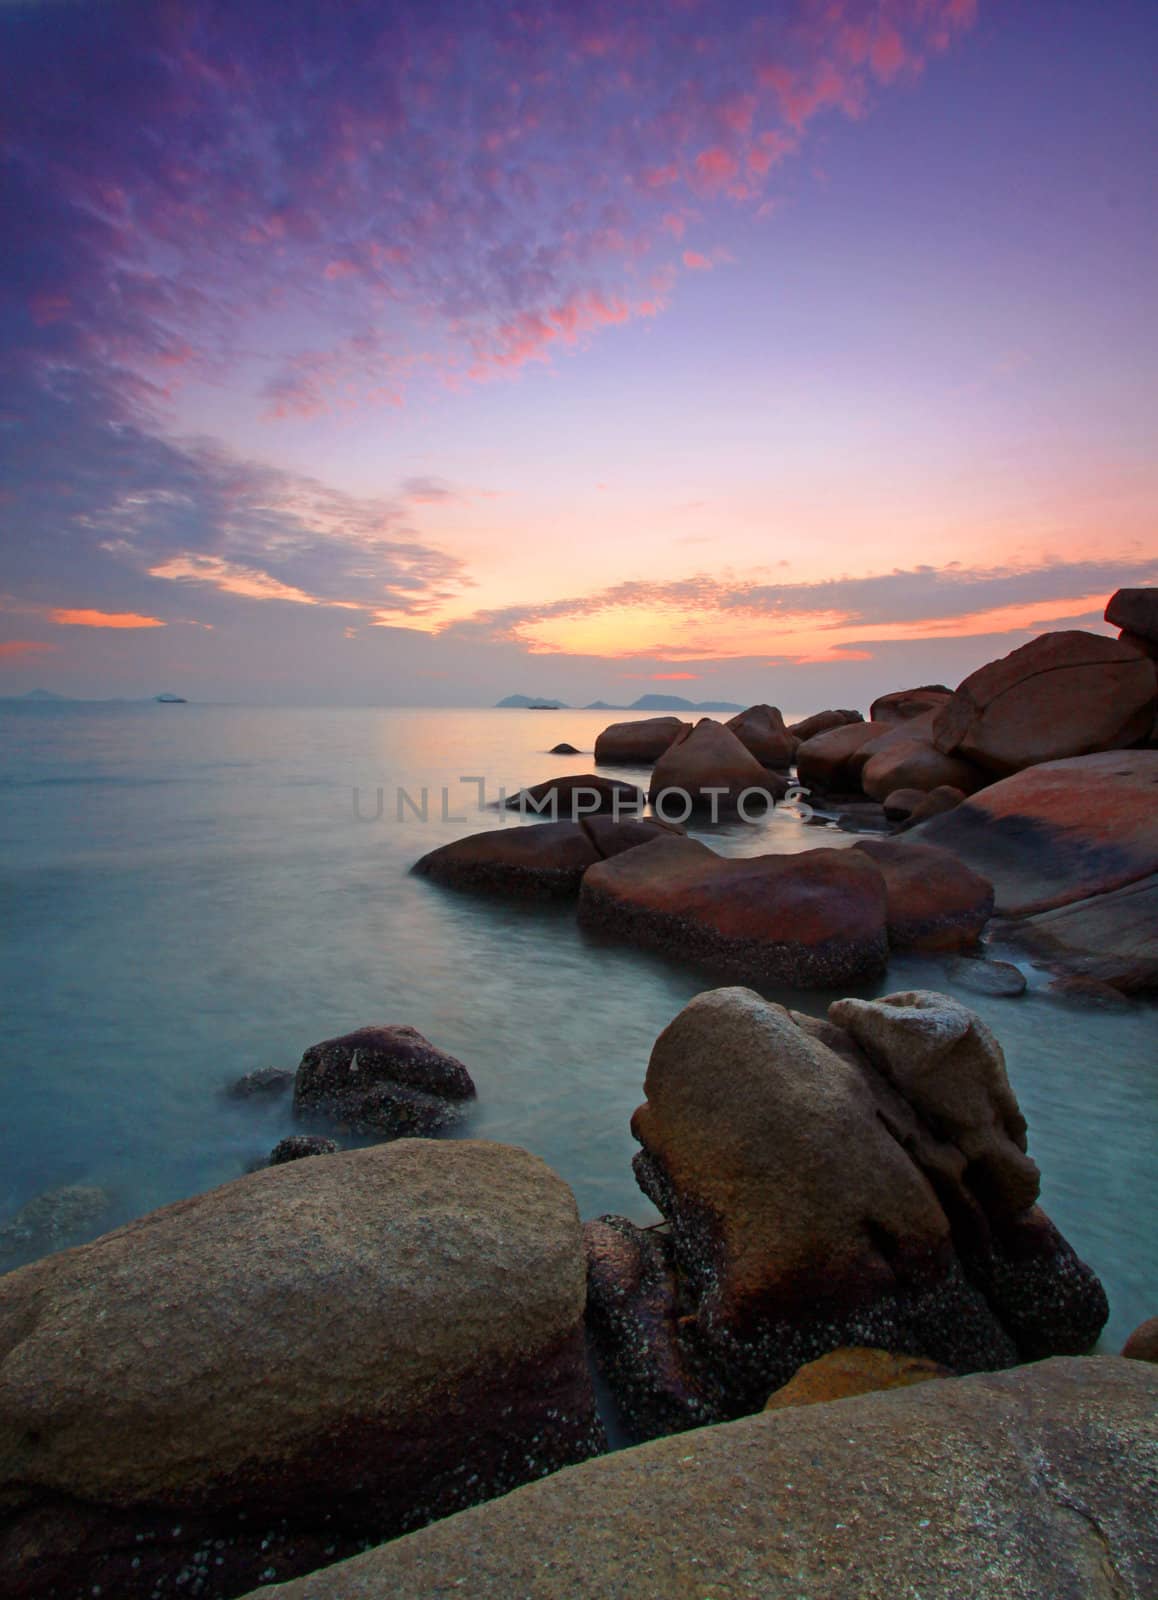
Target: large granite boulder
x,y
858,1181
1059,832
935,902
1062,694
1135,611
571,799
761,730
902,705
542,861
637,744
831,761
904,757
815,920
1009,1486
386,1080
821,721
709,767
278,1372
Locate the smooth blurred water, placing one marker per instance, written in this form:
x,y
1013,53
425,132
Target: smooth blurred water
x,y
186,894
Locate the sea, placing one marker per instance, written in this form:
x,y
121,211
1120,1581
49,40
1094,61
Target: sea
x,y
189,892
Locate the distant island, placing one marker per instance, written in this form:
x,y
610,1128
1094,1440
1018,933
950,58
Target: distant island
x,y
646,702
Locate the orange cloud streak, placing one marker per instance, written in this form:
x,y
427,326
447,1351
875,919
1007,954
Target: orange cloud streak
x,y
103,619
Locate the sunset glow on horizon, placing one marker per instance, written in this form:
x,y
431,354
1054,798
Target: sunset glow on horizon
x,y
432,352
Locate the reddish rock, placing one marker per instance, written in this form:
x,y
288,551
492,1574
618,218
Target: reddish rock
x,y
637,744
571,799
1063,694
1060,832
761,731
1142,1345
382,1080
857,1370
900,804
943,798
831,761
935,902
821,722
543,861
1135,611
904,758
711,768
1110,939
1089,993
905,704
816,919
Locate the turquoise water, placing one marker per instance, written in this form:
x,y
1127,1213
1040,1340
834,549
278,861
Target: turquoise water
x,y
187,894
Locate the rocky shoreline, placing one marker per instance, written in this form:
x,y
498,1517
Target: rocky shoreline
x,y
837,1354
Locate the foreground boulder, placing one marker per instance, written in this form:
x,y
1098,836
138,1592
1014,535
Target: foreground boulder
x,y
1011,1486
762,732
935,902
543,861
812,920
859,1181
637,744
323,1354
708,766
386,1080
1063,694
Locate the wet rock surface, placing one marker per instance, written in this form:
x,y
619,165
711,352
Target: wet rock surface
x,y
276,1373
541,861
980,976
388,1080
814,919
922,1491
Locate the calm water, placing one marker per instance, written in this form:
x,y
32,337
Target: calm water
x,y
187,894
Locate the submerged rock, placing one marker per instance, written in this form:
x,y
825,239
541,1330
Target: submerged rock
x,y
979,976
545,860
262,1083
287,1368
387,1080
299,1145
571,799
857,1370
1009,1486
816,919
633,744
53,1220
877,1193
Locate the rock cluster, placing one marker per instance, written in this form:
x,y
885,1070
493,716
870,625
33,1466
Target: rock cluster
x,y
858,1181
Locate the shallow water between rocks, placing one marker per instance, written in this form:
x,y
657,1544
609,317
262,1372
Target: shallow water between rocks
x,y
187,894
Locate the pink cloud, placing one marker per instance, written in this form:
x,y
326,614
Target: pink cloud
x,y
695,262
17,649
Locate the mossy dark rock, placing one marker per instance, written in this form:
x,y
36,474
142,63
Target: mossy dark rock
x,y
388,1080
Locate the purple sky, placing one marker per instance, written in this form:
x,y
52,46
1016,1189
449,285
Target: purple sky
x,y
429,352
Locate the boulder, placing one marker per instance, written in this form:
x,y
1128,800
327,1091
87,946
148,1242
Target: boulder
x,y
1108,940
841,1374
999,979
935,902
571,799
943,798
905,704
562,750
761,731
263,1083
302,1362
1135,611
637,744
821,722
299,1145
815,920
906,759
873,1193
1059,832
53,1220
711,768
1062,694
546,860
1091,994
1007,1486
1142,1345
387,1080
831,761
900,804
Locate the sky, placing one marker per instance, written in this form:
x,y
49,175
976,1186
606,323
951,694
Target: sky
x,y
424,353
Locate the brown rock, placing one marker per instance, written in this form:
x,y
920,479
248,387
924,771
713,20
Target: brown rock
x,y
571,799
816,919
841,1374
1064,694
831,761
382,1080
901,803
701,763
1142,1345
545,860
905,704
640,743
1060,832
821,722
761,731
935,902
925,1491
1109,940
563,749
1135,611
943,798
909,761
322,1354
